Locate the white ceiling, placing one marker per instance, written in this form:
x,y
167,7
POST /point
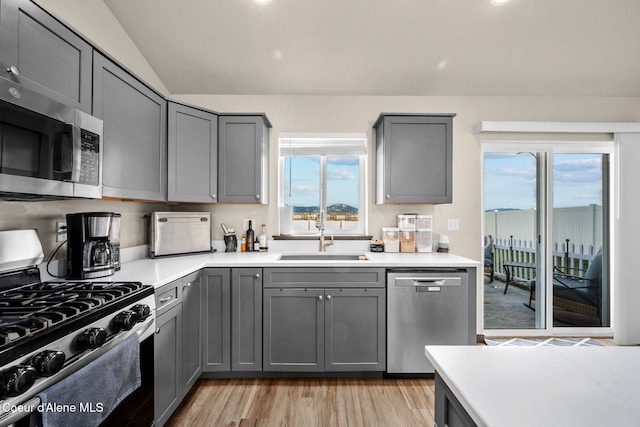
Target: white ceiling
x,y
389,47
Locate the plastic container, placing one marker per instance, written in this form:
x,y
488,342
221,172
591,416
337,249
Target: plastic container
x,y
424,240
407,241
407,222
391,239
424,222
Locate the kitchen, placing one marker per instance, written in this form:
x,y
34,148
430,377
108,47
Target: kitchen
x,y
349,109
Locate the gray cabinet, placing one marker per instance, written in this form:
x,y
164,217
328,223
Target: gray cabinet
x,y
414,158
243,162
192,154
354,329
47,56
337,327
135,133
448,409
293,330
246,322
192,308
232,319
167,367
216,295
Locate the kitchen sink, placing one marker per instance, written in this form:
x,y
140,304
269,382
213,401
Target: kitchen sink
x,y
323,257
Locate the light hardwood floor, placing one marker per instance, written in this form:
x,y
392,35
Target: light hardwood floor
x,y
307,402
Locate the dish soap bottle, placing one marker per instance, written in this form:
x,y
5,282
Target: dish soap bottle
x,y
263,239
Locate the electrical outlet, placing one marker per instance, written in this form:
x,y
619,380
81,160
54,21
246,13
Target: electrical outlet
x,y
61,231
453,224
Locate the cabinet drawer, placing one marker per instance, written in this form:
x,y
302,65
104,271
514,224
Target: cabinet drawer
x,y
168,296
323,277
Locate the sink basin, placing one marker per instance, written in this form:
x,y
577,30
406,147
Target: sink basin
x,y
323,257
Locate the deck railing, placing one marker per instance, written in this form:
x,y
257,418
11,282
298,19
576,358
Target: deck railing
x,y
568,257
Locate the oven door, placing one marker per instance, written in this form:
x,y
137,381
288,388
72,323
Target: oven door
x,y
40,147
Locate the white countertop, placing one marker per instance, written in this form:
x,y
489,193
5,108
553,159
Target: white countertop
x,y
543,386
160,271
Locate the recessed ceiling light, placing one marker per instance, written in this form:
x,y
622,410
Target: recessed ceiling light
x,y
262,2
496,2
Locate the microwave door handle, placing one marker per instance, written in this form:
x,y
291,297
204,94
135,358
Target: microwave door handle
x,y
77,153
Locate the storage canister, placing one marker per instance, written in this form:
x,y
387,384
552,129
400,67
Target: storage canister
x,y
391,239
424,238
407,241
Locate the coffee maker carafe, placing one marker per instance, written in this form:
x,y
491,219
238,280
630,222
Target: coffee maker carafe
x,y
89,253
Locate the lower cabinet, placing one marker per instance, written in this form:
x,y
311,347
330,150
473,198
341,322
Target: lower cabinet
x,y
167,367
313,329
448,410
177,344
232,319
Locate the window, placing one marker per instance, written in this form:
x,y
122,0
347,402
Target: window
x,y
322,172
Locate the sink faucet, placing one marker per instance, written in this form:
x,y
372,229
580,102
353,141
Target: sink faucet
x,y
321,225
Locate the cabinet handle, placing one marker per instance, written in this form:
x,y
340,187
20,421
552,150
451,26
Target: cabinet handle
x,y
158,331
257,196
13,70
388,196
328,296
213,196
257,275
320,297
165,299
186,285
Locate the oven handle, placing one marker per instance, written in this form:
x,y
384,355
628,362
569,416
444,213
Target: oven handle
x,y
149,322
14,417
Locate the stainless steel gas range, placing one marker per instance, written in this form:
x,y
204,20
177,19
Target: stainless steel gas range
x,y
54,333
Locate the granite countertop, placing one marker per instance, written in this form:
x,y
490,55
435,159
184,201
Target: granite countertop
x,y
160,271
543,386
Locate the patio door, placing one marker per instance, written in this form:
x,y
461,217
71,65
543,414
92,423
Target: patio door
x,y
546,219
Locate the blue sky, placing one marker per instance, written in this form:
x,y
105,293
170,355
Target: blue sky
x,y
342,180
510,180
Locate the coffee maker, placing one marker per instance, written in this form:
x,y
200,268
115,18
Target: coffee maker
x,y
114,240
89,253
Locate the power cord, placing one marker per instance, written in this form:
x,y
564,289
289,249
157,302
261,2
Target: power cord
x,y
51,257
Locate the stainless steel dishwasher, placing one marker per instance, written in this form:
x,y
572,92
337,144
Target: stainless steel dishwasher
x,y
425,307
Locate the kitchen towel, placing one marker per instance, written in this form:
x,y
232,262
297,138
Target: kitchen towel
x,y
86,397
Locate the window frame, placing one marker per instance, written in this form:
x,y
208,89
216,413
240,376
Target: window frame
x,y
361,229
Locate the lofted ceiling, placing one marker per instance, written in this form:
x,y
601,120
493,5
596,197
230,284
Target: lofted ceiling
x,y
389,47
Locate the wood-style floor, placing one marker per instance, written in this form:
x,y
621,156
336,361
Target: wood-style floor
x,y
307,402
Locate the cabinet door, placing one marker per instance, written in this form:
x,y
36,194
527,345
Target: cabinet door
x,y
167,366
243,159
135,133
50,58
355,330
415,159
191,331
294,330
216,284
246,323
193,155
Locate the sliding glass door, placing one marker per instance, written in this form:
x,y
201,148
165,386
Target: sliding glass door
x,y
546,237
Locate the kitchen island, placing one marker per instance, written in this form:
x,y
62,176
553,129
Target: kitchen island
x,y
536,386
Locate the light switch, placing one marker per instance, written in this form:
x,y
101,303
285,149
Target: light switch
x,y
453,224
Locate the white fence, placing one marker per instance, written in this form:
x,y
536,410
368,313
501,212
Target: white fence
x,y
578,231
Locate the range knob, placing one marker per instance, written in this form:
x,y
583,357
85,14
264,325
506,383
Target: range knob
x,y
125,320
16,380
48,362
91,338
142,310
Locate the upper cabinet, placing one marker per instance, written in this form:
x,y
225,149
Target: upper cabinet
x,y
193,155
43,55
243,149
135,133
414,158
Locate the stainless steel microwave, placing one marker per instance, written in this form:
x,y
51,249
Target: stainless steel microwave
x,y
47,149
